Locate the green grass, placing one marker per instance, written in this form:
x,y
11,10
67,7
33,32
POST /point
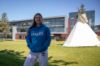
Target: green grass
x,y
13,53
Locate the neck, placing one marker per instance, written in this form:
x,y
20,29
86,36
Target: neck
x,y
38,25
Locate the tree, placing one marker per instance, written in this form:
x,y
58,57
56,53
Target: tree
x,y
4,26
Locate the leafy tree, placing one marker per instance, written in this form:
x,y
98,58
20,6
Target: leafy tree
x,y
4,26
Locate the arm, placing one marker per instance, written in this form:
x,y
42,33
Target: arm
x,y
47,41
28,38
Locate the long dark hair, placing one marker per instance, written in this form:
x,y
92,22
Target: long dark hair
x,y
34,22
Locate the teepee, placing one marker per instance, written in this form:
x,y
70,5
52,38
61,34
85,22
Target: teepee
x,y
82,34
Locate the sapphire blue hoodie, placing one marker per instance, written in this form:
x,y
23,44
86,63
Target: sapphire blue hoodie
x,y
38,38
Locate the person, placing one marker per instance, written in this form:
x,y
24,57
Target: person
x,y
38,40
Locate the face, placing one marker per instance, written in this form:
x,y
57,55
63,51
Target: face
x,y
38,19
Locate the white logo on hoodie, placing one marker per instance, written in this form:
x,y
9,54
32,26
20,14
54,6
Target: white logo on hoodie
x,y
37,34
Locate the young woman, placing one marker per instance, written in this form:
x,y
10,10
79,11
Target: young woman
x,y
38,40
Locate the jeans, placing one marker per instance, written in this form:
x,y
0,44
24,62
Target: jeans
x,y
41,57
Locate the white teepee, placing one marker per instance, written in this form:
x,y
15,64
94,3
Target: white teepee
x,y
82,34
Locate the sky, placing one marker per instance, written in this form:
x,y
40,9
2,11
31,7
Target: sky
x,y
25,9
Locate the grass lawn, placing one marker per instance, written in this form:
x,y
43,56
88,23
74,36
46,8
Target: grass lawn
x,y
13,53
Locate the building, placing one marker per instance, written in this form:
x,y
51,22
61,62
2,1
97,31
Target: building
x,y
57,25
90,16
97,29
60,26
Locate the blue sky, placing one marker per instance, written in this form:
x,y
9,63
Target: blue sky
x,y
25,9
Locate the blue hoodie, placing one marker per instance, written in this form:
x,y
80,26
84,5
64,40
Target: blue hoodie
x,y
38,38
